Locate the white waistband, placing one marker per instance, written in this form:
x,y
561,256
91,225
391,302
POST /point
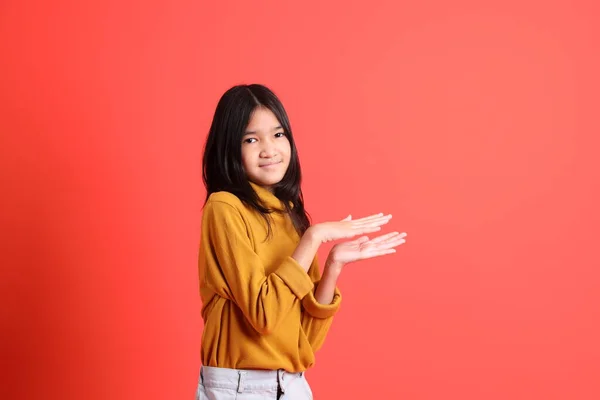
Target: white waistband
x,y
240,379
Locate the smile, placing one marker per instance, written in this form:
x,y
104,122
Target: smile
x,y
270,164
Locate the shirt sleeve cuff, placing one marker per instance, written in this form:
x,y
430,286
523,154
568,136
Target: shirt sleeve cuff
x,y
295,278
318,310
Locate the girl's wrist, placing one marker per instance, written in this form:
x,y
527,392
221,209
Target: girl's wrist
x,y
314,234
334,266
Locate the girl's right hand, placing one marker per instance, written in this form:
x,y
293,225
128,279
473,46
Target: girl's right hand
x,y
348,227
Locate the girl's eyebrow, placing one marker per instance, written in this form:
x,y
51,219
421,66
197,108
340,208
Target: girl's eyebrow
x,y
254,132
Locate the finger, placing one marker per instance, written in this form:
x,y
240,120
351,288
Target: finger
x,y
383,238
378,253
374,222
365,230
369,217
373,218
388,239
388,245
385,241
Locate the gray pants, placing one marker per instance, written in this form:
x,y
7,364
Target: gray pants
x,y
237,384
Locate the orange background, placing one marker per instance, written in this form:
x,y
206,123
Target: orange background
x,y
475,125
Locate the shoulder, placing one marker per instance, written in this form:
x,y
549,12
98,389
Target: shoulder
x,y
225,212
224,203
224,197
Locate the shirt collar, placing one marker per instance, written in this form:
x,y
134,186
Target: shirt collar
x,y
267,198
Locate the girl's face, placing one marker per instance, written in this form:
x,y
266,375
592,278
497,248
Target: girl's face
x,y
266,150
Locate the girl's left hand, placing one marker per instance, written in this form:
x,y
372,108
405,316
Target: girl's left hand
x,y
364,248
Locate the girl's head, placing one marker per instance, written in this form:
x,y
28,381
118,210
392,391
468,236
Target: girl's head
x,y
266,149
250,140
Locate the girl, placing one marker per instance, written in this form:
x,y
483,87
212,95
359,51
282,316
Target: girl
x,y
266,307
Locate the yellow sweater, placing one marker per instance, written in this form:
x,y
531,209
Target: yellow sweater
x,y
258,304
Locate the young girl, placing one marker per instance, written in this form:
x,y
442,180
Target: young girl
x,y
266,307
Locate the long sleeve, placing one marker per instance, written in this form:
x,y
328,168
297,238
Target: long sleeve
x,y
317,317
234,271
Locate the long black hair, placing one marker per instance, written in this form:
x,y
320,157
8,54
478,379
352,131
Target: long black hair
x,y
222,168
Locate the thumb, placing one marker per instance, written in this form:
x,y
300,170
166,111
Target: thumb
x,y
348,218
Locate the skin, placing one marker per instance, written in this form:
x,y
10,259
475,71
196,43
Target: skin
x,y
266,155
266,150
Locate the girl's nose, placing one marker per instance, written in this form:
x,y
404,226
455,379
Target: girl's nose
x,y
268,152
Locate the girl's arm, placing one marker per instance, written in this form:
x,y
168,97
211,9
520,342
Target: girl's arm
x,y
234,271
326,288
307,247
317,316
355,250
320,307
230,267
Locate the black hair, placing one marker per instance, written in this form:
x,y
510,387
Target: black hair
x,y
222,168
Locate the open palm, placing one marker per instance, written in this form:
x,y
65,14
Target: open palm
x,y
364,248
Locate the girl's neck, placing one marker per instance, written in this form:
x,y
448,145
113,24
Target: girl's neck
x,y
267,188
267,196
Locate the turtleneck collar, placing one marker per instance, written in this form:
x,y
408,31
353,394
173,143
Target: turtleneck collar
x,y
268,198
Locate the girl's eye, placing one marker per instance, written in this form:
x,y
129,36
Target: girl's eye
x,y
250,140
279,134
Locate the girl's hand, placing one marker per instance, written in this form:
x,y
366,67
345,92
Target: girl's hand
x,y
363,248
347,228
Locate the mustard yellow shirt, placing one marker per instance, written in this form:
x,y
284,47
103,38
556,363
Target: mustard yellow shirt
x,y
258,303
